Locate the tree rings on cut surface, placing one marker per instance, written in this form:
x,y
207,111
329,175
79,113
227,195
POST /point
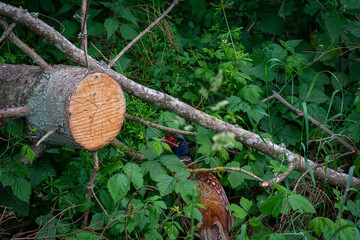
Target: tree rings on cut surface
x,y
96,111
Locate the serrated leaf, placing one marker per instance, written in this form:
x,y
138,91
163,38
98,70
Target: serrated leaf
x,y
354,126
126,14
70,27
98,220
30,154
133,170
290,135
335,25
300,202
155,168
172,163
319,223
339,81
22,189
128,32
117,186
354,207
158,147
251,93
165,184
110,26
190,96
237,211
273,205
236,104
245,204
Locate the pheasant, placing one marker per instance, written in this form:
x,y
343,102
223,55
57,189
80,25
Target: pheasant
x,y
217,219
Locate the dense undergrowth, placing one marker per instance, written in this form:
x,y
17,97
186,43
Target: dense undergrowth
x,y
223,58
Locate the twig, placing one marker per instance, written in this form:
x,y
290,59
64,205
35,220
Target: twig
x,y
83,19
16,112
38,150
91,185
281,177
31,53
112,62
45,136
315,122
150,124
222,169
127,150
7,31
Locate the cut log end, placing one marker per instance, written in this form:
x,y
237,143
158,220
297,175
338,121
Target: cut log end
x,y
96,111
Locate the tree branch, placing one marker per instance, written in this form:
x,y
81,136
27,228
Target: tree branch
x,y
15,112
315,122
112,62
31,53
170,103
150,124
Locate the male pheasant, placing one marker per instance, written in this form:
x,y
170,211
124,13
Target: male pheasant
x,y
217,219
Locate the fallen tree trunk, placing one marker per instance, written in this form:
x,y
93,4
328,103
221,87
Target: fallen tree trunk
x,y
85,108
167,102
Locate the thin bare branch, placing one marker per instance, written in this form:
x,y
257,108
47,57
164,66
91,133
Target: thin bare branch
x,y
7,31
315,122
150,124
83,20
16,112
31,53
112,62
45,136
127,150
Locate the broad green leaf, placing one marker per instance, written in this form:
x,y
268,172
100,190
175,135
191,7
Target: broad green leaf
x,y
105,199
22,189
126,14
237,211
271,25
84,235
354,207
190,96
165,184
128,32
153,235
251,93
172,163
71,27
319,223
245,204
117,186
110,26
300,202
98,220
133,170
273,205
155,168
354,125
335,25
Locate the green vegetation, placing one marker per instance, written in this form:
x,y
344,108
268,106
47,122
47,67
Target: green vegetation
x,y
222,58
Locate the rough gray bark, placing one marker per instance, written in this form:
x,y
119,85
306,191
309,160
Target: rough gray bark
x,y
170,103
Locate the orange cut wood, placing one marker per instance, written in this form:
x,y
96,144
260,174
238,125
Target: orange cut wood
x,y
96,111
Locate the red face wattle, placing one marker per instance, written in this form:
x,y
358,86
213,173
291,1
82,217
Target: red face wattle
x,y
171,141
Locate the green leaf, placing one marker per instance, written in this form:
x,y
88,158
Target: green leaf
x,y
251,93
105,199
71,28
273,205
300,202
354,125
271,25
191,96
95,29
128,32
335,25
354,207
22,189
84,235
246,204
98,220
237,211
236,104
165,184
153,235
155,168
85,205
126,14
172,163
133,170
319,223
117,186
30,154
110,26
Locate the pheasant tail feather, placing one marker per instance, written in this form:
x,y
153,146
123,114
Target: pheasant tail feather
x,y
216,232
